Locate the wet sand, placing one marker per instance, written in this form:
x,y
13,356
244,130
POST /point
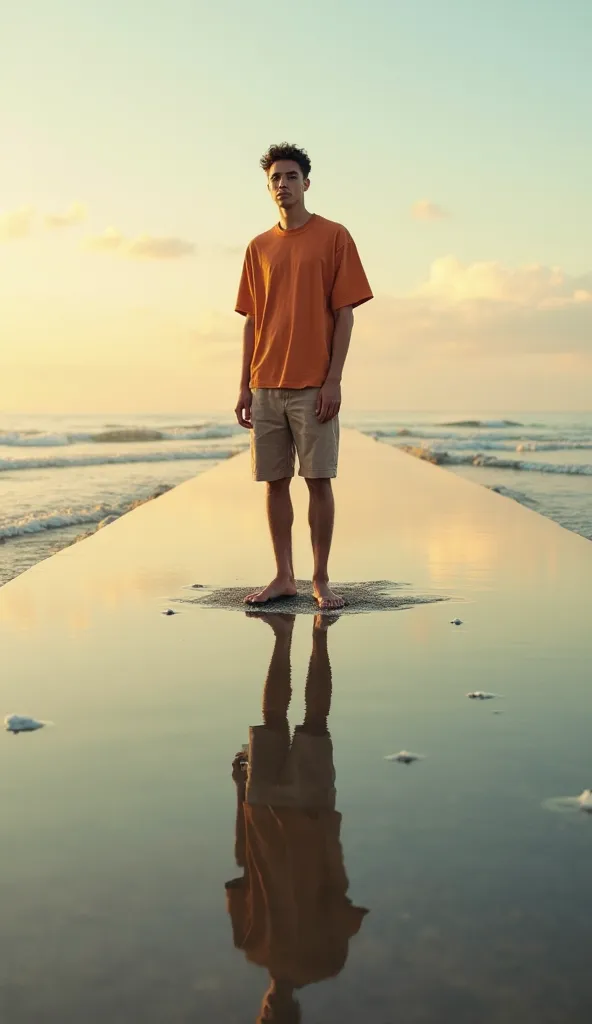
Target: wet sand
x,y
367,596
118,826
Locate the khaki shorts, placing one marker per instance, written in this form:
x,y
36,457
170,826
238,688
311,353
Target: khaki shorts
x,y
284,422
284,773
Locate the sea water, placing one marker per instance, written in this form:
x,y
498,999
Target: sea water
x,y
62,476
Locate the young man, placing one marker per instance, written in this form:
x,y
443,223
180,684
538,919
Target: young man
x,y
300,284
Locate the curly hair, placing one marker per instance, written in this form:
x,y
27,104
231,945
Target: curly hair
x,y
286,151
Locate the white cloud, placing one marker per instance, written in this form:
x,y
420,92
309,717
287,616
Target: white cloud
x,y
16,223
530,286
425,210
142,247
483,309
147,247
108,240
75,214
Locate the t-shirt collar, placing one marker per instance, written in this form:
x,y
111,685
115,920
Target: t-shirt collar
x,y
290,232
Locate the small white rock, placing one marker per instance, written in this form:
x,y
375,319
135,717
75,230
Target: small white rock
x,y
585,801
20,723
482,695
404,757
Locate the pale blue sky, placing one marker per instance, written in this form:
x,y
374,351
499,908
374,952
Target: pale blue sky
x,y
154,115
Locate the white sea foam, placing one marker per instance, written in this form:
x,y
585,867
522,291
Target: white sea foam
x,y
476,442
54,521
444,457
65,462
116,435
405,757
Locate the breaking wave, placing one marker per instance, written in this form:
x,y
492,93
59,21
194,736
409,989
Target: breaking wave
x,y
63,462
443,458
115,435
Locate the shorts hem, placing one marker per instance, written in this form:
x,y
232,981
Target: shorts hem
x,y
318,475
259,478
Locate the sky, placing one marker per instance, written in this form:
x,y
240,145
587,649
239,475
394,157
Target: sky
x,y
451,137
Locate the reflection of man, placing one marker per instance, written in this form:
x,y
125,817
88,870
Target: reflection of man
x,y
290,912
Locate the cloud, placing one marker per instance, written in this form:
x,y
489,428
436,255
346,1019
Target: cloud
x,y
425,210
483,309
147,247
75,214
16,223
142,247
534,285
109,239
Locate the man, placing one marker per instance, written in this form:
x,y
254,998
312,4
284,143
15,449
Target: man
x,y
300,284
289,909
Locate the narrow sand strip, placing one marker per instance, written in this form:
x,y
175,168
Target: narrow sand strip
x,y
372,596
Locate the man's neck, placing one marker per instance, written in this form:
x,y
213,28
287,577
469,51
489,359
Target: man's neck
x,y
295,217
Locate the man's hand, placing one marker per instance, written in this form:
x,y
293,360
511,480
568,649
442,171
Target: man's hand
x,y
328,401
243,408
239,767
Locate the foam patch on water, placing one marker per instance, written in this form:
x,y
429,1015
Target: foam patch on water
x,y
405,757
368,596
570,804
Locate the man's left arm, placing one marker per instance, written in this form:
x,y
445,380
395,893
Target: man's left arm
x,y
329,398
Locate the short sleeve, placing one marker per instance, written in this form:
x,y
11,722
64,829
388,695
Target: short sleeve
x,y
350,287
245,301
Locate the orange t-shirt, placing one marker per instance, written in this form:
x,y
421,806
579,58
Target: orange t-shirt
x,y
290,912
292,283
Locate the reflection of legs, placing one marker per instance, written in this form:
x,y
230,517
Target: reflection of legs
x,y
319,681
278,685
312,749
269,744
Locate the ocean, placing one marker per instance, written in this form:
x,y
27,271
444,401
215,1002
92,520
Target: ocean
x,y
64,476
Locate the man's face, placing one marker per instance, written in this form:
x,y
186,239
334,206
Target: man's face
x,y
286,183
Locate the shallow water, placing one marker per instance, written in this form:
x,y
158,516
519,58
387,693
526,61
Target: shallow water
x,y
117,831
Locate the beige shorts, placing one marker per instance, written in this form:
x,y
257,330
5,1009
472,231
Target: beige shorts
x,y
290,773
285,422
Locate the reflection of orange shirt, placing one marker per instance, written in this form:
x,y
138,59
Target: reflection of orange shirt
x,y
290,912
292,283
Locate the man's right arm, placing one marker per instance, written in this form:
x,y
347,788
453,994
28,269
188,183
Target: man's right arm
x,y
245,397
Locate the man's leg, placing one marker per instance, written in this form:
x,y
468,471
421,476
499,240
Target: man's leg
x,y
321,516
281,516
318,448
272,456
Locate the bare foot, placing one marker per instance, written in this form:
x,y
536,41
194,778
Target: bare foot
x,y
325,598
279,587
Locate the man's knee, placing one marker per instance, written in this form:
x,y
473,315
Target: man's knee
x,y
281,486
319,486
